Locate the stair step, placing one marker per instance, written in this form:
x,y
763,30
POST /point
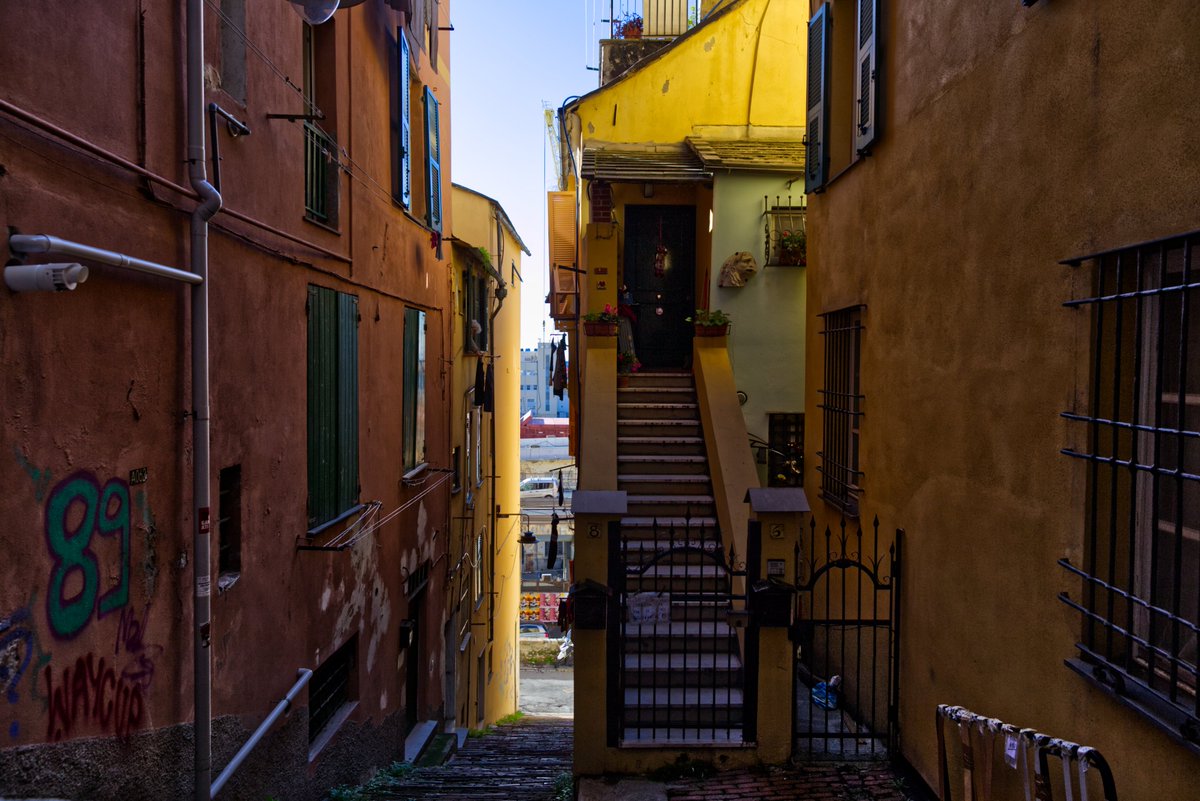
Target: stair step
x,y
648,548
681,662
675,629
694,500
661,379
692,446
665,523
695,736
677,465
665,698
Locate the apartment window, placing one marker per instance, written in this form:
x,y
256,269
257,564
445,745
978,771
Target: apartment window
x,y
842,409
787,236
332,404
785,458
1140,444
229,524
478,574
402,127
414,388
333,689
433,162
478,462
321,174
843,121
475,311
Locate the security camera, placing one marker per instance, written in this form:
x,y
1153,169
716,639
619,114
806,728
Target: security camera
x,y
44,277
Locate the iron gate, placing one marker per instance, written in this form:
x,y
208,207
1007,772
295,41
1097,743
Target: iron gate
x,y
847,631
678,670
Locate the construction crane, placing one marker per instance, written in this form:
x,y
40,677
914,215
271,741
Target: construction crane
x,y
554,141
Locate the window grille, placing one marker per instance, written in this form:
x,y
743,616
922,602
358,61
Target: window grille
x,y
320,149
333,685
842,404
229,521
785,233
1140,444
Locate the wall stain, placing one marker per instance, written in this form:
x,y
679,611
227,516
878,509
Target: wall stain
x,y
41,478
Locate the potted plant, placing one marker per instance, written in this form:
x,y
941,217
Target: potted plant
x,y
793,247
627,364
710,322
629,26
601,323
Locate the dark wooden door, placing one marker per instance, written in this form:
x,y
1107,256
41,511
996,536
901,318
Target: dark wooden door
x,y
663,299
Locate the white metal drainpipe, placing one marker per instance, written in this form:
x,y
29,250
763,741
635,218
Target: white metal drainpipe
x,y
210,204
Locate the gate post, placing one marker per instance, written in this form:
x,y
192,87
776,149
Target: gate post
x,y
778,511
597,521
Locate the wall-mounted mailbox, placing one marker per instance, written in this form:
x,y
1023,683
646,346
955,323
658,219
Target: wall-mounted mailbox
x,y
591,605
771,603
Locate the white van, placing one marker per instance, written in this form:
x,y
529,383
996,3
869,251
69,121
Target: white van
x,y
539,487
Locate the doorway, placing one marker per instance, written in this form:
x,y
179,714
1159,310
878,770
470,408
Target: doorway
x,y
660,280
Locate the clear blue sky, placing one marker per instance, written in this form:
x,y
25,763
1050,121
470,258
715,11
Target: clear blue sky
x,y
506,58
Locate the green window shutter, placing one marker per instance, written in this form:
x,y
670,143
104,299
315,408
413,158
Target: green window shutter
x,y
404,104
322,404
347,402
816,170
866,78
433,167
411,323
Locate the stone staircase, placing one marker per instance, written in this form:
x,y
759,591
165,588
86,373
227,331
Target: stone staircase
x,y
682,673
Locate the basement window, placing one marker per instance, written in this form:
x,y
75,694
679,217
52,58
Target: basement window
x,y
332,695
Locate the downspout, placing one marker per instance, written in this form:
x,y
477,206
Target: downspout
x,y
210,204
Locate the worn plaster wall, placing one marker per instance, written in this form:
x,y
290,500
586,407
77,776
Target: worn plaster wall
x,y
1015,137
95,589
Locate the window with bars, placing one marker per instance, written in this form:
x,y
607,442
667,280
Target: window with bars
x,y
842,409
785,458
229,521
321,176
787,236
334,684
1139,442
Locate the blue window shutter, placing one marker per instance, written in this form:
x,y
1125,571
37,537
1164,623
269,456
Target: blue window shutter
x,y
866,77
347,402
433,165
404,103
816,170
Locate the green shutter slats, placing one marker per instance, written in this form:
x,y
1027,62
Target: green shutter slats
x,y
433,166
404,103
866,88
816,171
347,402
332,404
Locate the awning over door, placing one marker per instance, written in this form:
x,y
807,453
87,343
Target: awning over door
x,y
641,166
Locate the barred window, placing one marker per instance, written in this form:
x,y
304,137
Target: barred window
x,y
1140,443
842,406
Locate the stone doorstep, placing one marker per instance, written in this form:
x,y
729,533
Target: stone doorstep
x,y
418,739
624,790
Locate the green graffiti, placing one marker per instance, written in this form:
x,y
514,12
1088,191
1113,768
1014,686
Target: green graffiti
x,y
41,478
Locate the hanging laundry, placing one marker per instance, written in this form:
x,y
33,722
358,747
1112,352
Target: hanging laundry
x,y
489,390
480,383
552,548
559,379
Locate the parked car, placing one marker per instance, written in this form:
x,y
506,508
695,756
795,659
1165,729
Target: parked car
x,y
539,487
534,631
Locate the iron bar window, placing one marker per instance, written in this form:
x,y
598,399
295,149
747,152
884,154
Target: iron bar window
x,y
842,407
334,684
785,233
1139,442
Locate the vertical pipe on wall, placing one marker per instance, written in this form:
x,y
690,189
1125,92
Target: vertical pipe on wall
x,y
210,204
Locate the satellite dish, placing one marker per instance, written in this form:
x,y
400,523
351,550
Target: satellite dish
x,y
350,3
315,12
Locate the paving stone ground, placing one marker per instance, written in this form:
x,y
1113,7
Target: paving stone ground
x,y
819,781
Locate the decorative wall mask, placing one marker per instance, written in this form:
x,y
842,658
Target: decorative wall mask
x,y
738,269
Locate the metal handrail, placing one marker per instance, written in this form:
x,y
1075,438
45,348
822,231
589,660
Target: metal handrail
x,y
304,675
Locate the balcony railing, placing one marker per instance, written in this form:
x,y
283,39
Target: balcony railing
x,y
633,19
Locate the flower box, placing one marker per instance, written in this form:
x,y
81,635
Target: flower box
x,y
599,328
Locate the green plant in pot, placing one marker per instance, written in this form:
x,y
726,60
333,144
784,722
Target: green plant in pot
x,y
710,322
601,323
793,247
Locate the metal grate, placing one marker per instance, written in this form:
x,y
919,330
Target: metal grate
x,y
332,686
320,173
1140,442
842,403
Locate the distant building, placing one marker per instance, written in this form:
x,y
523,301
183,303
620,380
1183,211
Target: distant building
x,y
537,394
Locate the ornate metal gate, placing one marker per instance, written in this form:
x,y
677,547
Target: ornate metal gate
x,y
847,631
678,670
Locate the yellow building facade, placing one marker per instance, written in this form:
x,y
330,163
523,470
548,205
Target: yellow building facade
x,y
482,648
1006,240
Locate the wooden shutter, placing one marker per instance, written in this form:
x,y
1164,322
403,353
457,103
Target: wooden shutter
x,y
563,286
347,402
322,404
433,168
866,93
403,190
816,158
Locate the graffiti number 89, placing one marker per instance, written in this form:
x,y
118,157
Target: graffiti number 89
x,y
104,511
